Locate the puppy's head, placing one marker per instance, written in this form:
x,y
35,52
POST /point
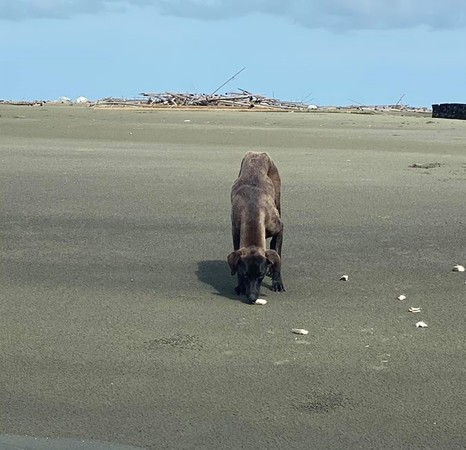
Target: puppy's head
x,y
251,264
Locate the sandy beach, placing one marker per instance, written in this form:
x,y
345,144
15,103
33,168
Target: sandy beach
x,y
119,321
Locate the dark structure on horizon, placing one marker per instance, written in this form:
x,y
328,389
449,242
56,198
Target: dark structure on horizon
x,y
449,111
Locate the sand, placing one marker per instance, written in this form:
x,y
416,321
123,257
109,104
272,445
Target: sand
x,y
119,321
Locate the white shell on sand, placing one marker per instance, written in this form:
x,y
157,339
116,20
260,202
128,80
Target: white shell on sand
x,y
299,331
401,297
260,301
414,309
458,268
421,325
344,278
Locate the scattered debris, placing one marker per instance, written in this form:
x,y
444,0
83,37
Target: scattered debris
x,y
421,325
240,100
458,268
65,100
425,166
414,309
300,331
401,297
23,103
260,301
344,278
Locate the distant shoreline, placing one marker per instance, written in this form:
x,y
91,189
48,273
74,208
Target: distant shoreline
x,y
138,105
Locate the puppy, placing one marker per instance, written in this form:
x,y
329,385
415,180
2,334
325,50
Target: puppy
x,y
255,216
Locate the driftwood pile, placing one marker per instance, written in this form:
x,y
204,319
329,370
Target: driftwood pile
x,y
242,99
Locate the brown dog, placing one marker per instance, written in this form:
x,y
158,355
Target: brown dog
x,y
255,216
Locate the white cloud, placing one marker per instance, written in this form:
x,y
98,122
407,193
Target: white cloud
x,y
330,14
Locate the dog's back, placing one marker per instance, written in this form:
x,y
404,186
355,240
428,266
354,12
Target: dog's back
x,y
258,182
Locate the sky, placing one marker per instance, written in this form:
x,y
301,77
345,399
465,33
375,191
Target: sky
x,y
323,52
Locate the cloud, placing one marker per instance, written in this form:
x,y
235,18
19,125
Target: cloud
x,y
63,9
329,14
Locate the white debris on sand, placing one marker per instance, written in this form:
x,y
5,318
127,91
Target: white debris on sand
x,y
421,325
260,301
344,278
413,309
64,100
458,268
401,297
300,331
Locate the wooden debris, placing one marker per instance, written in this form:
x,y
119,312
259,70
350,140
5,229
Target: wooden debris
x,y
235,100
242,99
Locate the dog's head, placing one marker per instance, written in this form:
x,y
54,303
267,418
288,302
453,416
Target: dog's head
x,y
252,264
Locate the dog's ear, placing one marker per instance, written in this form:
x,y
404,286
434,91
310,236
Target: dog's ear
x,y
273,258
233,261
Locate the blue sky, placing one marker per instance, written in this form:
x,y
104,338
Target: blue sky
x,y
328,52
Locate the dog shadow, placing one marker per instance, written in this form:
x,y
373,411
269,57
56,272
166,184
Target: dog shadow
x,y
216,273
